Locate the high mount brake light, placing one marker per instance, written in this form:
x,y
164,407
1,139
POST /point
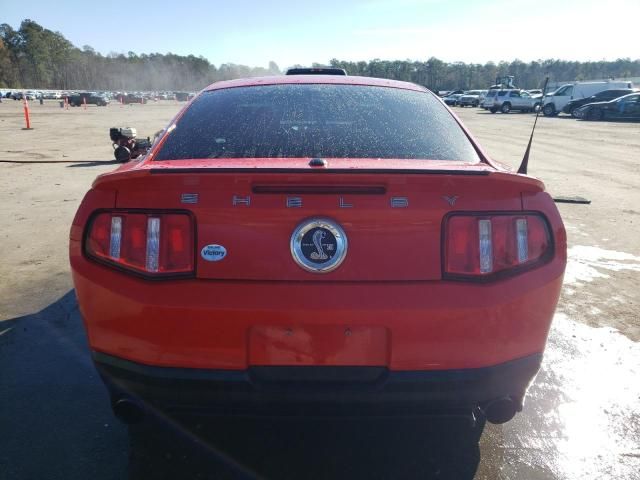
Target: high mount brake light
x,y
150,243
480,245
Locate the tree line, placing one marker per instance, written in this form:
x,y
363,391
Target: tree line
x,y
35,57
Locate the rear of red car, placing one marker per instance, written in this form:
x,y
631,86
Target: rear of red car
x,y
318,244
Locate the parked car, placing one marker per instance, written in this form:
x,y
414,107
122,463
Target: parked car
x,y
452,99
535,91
90,98
444,93
472,98
21,95
51,95
519,100
626,107
555,102
603,96
233,270
131,98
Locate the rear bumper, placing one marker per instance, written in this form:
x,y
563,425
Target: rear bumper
x,y
318,391
401,326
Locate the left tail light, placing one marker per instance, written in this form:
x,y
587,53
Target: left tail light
x,y
151,243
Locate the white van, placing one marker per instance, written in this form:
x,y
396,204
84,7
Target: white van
x,y
554,102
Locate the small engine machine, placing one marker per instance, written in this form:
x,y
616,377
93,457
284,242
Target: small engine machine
x,y
125,144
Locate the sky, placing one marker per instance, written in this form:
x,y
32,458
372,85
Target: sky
x,y
254,32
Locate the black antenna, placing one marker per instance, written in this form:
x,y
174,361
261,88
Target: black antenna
x,y
525,160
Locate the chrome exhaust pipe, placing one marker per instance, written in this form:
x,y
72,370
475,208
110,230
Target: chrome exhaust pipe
x,y
128,411
501,410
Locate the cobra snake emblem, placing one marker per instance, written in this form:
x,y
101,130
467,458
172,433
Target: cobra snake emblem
x,y
318,236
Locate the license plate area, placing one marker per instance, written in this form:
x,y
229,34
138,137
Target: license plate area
x,y
319,345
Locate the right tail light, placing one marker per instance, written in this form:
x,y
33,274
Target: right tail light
x,y
153,244
481,246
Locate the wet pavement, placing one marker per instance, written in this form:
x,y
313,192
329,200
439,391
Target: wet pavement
x,y
582,416
581,419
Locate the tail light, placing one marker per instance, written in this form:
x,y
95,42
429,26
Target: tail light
x,y
150,243
481,246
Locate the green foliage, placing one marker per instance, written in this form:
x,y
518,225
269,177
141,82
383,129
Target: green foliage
x,y
438,75
35,57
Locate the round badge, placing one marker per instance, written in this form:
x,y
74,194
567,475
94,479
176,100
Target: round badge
x,y
319,245
213,253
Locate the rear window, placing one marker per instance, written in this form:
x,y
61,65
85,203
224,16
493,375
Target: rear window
x,y
317,120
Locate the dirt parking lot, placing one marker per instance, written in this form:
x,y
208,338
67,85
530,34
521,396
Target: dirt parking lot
x,y
581,420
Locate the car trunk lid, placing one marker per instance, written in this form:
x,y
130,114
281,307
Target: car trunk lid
x,y
391,215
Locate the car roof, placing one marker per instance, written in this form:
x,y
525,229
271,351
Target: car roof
x,y
313,79
616,99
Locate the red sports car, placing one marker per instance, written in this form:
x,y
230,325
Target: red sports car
x,y
317,244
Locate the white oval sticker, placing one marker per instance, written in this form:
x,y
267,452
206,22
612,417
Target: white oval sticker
x,y
213,253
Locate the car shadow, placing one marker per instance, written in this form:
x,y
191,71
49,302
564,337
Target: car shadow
x,y
309,448
55,417
57,424
96,163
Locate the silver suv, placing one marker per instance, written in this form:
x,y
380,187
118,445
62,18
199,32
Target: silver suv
x,y
512,99
487,101
472,98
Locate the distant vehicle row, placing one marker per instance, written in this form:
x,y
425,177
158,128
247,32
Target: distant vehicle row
x,y
568,97
503,100
587,100
97,98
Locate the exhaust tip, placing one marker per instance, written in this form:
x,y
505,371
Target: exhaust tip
x,y
127,411
501,410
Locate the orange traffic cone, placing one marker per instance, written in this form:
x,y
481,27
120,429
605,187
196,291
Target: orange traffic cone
x,y
27,118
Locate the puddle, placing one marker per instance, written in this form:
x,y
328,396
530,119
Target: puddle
x,y
597,371
586,263
581,418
